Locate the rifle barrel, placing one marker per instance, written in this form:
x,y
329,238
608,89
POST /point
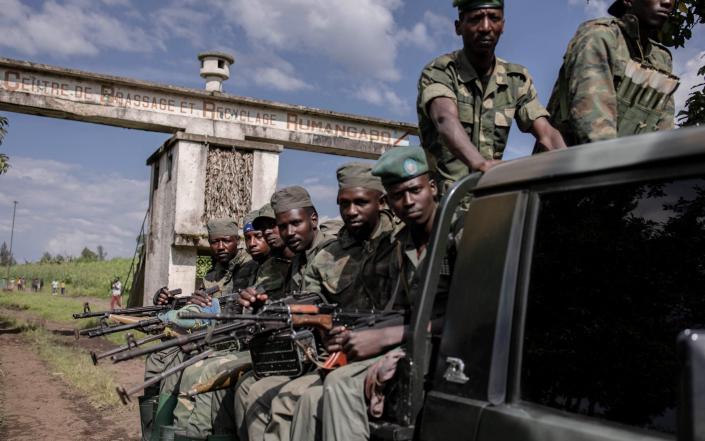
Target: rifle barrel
x,y
95,357
142,324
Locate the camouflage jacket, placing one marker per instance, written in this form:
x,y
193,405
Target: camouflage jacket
x,y
222,275
584,104
485,113
300,262
354,274
271,276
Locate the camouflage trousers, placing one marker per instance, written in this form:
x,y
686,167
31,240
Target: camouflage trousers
x,y
209,413
164,392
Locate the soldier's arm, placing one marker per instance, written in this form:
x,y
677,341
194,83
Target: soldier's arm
x,y
547,137
444,114
666,122
591,92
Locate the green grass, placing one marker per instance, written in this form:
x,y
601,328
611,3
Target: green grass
x,y
75,368
81,278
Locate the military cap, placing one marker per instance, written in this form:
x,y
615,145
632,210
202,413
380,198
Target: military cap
x,y
617,9
265,212
290,198
355,174
469,5
401,164
249,220
222,227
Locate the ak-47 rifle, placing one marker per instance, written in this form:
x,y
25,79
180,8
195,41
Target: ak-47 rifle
x,y
138,322
323,316
131,344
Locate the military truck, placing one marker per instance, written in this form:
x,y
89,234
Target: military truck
x,y
577,272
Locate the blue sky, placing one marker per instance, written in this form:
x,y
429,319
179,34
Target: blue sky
x,y
83,185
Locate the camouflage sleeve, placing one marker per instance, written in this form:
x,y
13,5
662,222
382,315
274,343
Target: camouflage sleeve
x,y
592,96
667,119
313,280
528,108
434,83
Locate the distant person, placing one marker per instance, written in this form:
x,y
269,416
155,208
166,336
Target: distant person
x,y
63,287
116,291
20,283
54,287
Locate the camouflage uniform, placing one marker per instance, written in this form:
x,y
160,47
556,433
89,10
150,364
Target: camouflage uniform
x,y
587,103
222,275
486,113
301,262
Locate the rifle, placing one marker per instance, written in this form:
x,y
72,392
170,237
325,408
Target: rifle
x,y
140,310
131,343
125,394
222,380
325,316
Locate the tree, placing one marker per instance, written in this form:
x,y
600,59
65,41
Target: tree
x,y
679,30
46,258
5,255
102,254
4,160
88,255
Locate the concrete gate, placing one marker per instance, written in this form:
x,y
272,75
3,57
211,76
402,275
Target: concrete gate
x,y
220,144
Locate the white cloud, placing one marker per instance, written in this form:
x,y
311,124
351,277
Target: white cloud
x,y
382,96
417,36
63,208
71,28
686,67
279,79
359,35
593,8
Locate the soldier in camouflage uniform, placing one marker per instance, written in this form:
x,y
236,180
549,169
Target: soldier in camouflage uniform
x,y
223,238
211,415
352,272
616,80
297,221
468,99
412,194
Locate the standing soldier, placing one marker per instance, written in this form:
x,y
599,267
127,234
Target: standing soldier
x,y
468,99
616,79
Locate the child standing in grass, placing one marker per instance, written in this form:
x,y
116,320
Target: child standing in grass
x,y
116,291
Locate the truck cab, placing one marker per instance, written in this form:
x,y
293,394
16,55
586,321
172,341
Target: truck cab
x,y
576,273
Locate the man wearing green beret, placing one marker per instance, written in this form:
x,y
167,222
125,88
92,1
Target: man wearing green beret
x,y
353,273
297,221
468,99
616,79
412,195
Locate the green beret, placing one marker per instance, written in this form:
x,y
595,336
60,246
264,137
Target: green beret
x,y
469,5
265,212
290,198
401,164
617,9
222,227
355,174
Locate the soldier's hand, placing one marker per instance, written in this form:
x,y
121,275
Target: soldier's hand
x,y
486,165
367,343
161,297
200,298
337,339
250,296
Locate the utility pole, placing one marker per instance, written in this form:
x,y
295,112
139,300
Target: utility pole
x,y
12,236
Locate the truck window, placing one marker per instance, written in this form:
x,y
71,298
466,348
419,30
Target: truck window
x,y
617,272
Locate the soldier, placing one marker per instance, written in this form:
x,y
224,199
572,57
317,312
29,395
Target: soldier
x,y
352,272
412,195
468,99
616,79
211,415
297,221
223,238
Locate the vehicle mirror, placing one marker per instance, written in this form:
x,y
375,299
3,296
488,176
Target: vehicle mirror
x,y
691,403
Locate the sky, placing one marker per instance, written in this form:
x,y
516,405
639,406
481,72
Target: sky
x,y
80,184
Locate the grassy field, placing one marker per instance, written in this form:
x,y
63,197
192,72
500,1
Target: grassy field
x,y
81,278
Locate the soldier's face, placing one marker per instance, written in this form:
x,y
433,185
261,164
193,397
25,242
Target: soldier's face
x,y
480,29
359,209
413,201
223,247
297,228
271,233
256,244
652,13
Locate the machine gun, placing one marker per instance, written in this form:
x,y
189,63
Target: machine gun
x,y
137,311
130,344
284,353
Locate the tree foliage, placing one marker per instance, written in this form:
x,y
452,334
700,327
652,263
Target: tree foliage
x,y
102,254
676,33
6,256
87,255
